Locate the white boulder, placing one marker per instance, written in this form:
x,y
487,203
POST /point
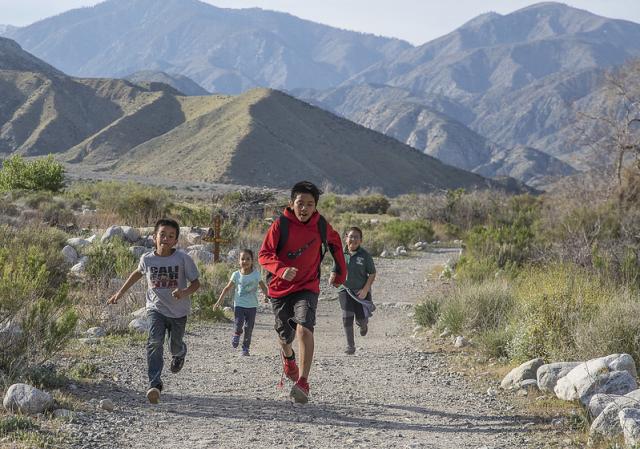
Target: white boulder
x,y
591,377
527,370
548,375
140,325
25,399
630,424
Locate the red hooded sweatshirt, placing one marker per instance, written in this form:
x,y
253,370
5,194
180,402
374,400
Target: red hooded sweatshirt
x,y
301,251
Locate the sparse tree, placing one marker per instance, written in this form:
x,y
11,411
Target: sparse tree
x,y
616,127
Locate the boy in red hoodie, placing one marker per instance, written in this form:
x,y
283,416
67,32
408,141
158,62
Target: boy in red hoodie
x,y
295,278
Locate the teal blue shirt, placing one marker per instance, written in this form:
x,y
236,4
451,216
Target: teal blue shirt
x,y
246,291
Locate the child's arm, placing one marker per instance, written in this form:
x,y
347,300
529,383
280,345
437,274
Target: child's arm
x,y
192,288
265,291
228,287
268,258
340,266
132,279
364,291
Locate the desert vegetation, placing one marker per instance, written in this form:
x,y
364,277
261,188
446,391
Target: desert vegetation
x,y
553,276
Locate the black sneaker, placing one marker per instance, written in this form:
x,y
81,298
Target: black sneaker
x,y
176,364
350,350
364,329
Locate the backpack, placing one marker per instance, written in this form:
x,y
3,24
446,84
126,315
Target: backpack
x,y
284,235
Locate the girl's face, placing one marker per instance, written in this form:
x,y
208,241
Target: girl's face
x,y
246,261
353,240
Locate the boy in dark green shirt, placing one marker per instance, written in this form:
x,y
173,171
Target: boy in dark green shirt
x,y
355,293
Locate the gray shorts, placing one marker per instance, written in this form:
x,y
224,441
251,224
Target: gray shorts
x,y
293,309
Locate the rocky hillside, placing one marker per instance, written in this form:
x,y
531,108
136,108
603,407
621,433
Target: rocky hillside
x,y
260,138
517,79
181,83
223,50
415,120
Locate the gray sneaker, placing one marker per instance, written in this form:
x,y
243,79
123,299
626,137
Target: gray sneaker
x,y
350,350
364,329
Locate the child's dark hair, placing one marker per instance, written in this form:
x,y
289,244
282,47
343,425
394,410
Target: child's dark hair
x,y
167,222
355,229
306,187
248,251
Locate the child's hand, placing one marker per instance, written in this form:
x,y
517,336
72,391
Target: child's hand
x,y
216,306
362,294
290,274
178,294
332,278
113,299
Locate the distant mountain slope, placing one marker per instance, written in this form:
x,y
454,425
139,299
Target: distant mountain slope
x,y
261,138
12,57
497,54
44,111
223,50
414,120
265,137
6,28
180,82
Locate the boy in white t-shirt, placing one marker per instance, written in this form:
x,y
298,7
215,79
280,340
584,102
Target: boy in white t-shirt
x,y
168,271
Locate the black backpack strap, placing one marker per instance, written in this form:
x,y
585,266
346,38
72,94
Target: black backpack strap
x,y
322,228
284,233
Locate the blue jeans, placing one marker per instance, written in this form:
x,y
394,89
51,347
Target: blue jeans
x,y
159,326
245,319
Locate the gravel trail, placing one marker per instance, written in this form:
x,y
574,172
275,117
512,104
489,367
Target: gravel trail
x,y
389,394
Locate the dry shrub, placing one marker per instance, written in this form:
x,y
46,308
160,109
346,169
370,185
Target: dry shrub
x,y
614,329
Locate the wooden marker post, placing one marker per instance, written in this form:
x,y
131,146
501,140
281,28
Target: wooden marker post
x,y
215,238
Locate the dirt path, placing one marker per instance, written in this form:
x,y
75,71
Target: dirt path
x,y
389,394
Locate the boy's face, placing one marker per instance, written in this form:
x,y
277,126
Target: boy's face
x,y
353,240
303,205
166,238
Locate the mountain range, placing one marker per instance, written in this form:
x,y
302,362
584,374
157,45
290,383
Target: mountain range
x,y
260,138
499,96
223,50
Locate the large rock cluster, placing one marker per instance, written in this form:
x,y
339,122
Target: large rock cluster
x,y
141,241
606,386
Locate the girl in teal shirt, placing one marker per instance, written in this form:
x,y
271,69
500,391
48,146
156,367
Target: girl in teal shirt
x,y
245,283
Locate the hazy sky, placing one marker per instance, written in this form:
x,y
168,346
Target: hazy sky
x,y
416,21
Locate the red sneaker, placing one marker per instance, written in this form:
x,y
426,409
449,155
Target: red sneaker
x,y
290,367
300,391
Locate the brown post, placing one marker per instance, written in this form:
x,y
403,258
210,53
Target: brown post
x,y
216,238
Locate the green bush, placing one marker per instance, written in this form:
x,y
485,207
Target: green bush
x,y
477,307
188,215
213,278
615,328
33,277
359,204
427,312
135,204
39,174
552,302
14,423
110,260
495,342
406,232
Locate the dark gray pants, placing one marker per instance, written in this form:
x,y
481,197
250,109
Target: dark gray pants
x,y
245,319
351,309
159,326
